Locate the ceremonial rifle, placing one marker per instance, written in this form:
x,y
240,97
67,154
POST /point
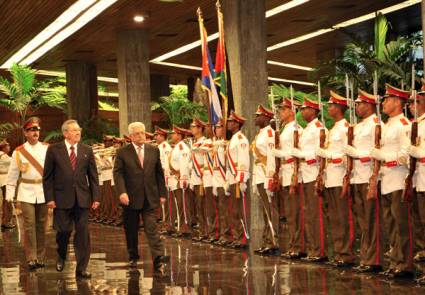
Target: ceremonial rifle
x,y
275,126
373,181
346,192
294,179
408,185
319,181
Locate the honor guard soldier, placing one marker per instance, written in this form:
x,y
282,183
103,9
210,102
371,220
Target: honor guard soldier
x,y
197,128
393,153
365,210
294,209
219,182
339,208
5,207
418,151
264,169
164,151
178,182
306,153
210,200
237,176
27,168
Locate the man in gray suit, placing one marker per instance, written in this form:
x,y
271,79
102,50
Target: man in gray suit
x,y
140,185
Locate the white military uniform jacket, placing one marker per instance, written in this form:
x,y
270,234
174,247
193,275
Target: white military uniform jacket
x,y
219,159
264,161
164,154
4,168
197,163
286,140
237,159
336,166
364,142
28,192
395,143
207,147
309,143
419,177
179,166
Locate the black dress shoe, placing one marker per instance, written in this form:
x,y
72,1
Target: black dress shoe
x,y
40,263
132,263
259,250
344,264
368,269
388,272
402,275
297,255
421,280
271,252
419,258
82,275
60,264
8,226
32,265
317,259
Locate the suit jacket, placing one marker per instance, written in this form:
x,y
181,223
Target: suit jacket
x,y
139,183
66,186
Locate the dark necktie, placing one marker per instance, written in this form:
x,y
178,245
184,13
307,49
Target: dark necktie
x,y
73,158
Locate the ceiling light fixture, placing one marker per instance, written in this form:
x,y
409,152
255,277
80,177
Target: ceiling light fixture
x,y
344,24
139,18
63,74
291,81
175,65
190,46
292,66
60,22
86,17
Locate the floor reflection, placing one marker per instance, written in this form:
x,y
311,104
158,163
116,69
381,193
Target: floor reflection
x,y
194,268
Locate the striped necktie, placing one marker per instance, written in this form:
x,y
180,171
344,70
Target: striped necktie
x,y
73,158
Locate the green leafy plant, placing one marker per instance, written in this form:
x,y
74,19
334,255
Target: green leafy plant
x,y
179,109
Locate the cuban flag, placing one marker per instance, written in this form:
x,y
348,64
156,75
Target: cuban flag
x,y
208,75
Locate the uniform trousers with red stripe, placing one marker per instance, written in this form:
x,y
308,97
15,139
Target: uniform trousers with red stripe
x,y
367,213
401,256
314,221
341,224
294,212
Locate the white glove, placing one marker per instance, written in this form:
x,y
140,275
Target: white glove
x,y
297,153
278,153
377,154
416,151
351,151
254,188
226,187
10,193
242,186
269,193
323,153
215,191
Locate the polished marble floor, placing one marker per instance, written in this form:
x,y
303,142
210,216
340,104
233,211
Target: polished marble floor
x,y
194,268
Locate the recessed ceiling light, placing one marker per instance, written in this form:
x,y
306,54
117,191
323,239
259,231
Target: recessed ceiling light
x,y
286,65
139,18
291,81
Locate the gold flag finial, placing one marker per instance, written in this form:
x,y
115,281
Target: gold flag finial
x,y
199,12
217,4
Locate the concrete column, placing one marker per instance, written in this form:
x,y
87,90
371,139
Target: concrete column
x,y
81,90
134,78
245,27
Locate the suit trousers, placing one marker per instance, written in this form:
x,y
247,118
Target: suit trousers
x,y
6,210
224,214
64,220
367,213
401,256
314,221
239,215
341,224
131,219
211,213
294,212
35,222
271,218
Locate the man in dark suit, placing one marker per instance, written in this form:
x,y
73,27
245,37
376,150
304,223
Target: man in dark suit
x,y
71,188
140,185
